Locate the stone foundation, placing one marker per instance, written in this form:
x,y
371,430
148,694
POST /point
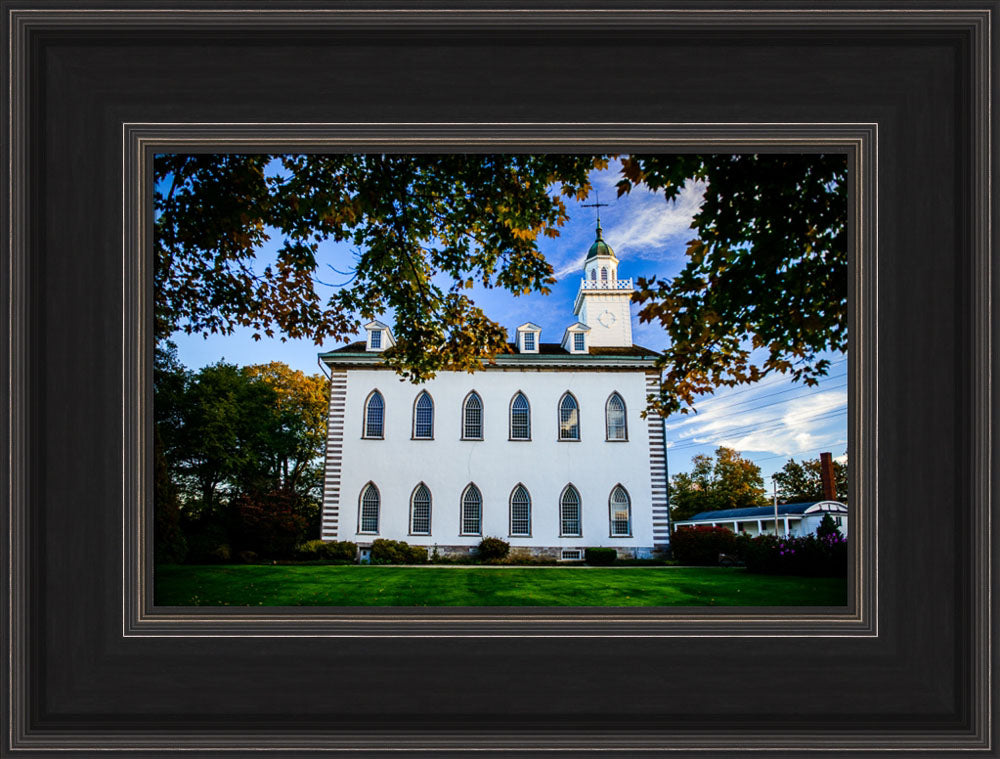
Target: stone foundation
x,y
536,552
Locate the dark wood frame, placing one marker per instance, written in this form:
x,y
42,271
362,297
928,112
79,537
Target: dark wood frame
x,y
904,89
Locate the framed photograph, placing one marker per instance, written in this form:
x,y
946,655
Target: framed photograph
x,y
181,579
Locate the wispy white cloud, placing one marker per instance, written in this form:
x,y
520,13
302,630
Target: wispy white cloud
x,y
655,229
640,225
788,427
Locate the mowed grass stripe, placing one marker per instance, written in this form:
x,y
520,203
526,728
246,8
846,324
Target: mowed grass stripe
x,y
314,585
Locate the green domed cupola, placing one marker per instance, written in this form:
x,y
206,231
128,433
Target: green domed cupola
x,y
600,248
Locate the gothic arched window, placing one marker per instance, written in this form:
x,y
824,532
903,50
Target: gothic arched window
x,y
374,415
520,512
420,511
614,414
569,513
569,418
520,418
621,513
472,511
369,509
472,417
423,417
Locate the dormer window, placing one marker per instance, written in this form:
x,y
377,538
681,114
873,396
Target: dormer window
x,y
528,335
575,338
379,337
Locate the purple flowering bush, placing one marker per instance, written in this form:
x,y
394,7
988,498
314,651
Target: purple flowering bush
x,y
810,555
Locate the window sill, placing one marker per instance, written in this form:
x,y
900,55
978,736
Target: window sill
x,y
420,438
519,440
616,440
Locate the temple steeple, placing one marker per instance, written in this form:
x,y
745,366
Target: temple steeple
x,y
602,302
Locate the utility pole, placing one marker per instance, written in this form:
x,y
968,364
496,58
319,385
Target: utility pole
x,y
775,483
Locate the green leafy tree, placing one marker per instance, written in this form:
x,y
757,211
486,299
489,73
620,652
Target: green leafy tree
x,y
827,527
766,272
723,481
803,481
410,218
298,432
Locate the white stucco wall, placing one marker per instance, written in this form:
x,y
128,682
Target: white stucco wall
x,y
615,330
544,465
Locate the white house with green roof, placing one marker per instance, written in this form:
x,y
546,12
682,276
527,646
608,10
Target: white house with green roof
x,y
545,448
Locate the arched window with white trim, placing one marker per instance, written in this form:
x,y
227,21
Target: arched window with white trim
x,y
614,416
593,275
604,275
620,506
570,523
520,417
374,415
420,510
520,512
472,417
368,509
472,511
423,417
569,418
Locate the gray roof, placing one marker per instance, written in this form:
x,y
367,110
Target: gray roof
x,y
753,512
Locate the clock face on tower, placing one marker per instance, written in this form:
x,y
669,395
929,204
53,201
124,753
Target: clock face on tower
x,y
607,319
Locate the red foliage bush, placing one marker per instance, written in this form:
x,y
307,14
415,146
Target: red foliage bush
x,y
271,523
702,544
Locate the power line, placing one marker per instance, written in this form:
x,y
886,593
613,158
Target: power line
x,y
788,455
824,416
775,403
770,382
722,404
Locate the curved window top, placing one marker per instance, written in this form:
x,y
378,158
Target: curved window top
x,y
569,418
420,510
472,511
370,501
472,417
374,415
423,417
604,274
614,414
520,418
569,512
621,513
593,275
520,512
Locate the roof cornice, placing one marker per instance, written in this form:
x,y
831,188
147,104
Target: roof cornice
x,y
570,361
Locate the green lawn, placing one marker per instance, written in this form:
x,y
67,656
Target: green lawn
x,y
315,585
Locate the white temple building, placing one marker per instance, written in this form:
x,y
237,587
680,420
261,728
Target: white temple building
x,y
545,449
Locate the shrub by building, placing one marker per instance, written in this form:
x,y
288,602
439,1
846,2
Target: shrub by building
x,y
397,552
600,556
701,545
811,555
493,549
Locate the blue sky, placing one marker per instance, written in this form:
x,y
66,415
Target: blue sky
x,y
768,422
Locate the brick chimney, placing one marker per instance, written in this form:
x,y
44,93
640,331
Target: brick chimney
x,y
826,475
